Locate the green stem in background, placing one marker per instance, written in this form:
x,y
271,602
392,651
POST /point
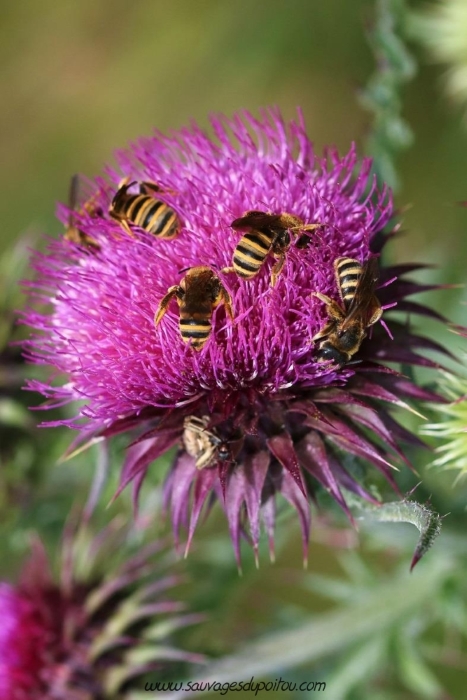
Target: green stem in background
x,y
389,133
427,521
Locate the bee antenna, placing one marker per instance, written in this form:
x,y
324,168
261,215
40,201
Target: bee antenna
x,y
185,269
353,362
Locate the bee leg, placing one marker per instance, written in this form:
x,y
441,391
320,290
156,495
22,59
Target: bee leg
x,y
325,331
304,240
124,184
148,187
277,268
332,308
310,227
225,297
122,221
377,313
334,312
220,295
177,291
226,270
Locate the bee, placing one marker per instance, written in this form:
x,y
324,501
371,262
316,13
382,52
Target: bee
x,y
72,232
144,210
266,233
346,328
203,444
198,293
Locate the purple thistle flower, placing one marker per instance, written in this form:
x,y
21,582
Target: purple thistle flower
x,y
89,635
258,383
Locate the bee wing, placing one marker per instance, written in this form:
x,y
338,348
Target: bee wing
x,y
364,304
198,429
73,192
197,425
83,195
254,219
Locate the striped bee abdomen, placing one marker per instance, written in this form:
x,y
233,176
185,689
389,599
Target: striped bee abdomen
x,y
152,215
348,274
251,252
197,330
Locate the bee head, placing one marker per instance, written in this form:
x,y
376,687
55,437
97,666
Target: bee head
x,y
223,452
329,352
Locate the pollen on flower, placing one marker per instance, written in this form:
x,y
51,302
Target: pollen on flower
x,y
267,346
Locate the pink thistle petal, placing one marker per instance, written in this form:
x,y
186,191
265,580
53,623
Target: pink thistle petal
x,y
282,447
140,455
234,499
294,495
177,491
204,486
256,468
314,458
369,418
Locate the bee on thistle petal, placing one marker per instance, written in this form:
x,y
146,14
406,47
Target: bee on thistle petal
x,y
266,233
203,444
73,233
343,334
198,294
295,414
144,209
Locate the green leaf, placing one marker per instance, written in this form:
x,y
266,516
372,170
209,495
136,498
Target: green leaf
x,y
413,672
357,668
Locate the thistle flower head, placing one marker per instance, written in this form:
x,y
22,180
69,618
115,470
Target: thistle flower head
x,y
88,635
254,403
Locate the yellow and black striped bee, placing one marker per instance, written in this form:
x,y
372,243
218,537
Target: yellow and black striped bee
x,y
145,210
346,328
90,206
198,293
266,233
203,444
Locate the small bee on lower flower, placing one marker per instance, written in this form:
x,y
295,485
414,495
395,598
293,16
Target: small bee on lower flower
x,y
203,444
266,233
90,206
198,293
344,332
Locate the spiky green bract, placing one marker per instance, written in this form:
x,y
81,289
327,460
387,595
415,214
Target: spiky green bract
x,y
91,632
426,520
451,428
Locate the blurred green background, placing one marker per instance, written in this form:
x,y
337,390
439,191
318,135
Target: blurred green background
x,y
80,79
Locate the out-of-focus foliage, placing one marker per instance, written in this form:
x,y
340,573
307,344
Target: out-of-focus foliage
x,y
79,80
395,66
385,629
441,27
450,427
